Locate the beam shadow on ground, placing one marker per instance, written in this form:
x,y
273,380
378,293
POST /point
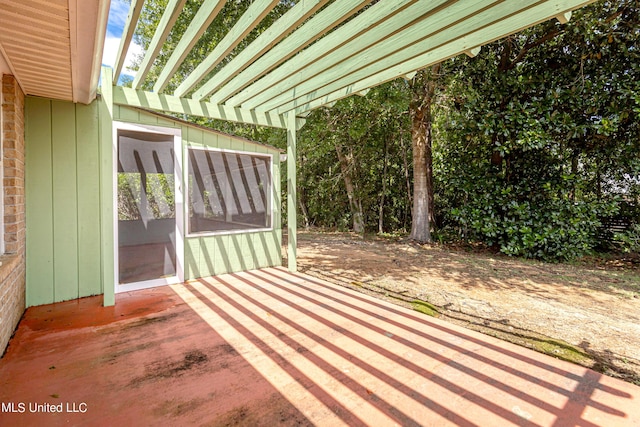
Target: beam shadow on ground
x,y
345,358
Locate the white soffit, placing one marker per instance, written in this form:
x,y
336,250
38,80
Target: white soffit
x,y
54,47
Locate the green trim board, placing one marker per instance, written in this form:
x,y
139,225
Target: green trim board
x,y
107,190
292,203
172,104
65,200
39,202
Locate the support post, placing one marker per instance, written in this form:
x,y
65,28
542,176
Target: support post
x,y
291,193
107,192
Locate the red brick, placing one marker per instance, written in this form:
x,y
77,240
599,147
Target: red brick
x,y
12,270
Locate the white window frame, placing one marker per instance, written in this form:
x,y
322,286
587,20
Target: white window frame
x,y
270,198
179,206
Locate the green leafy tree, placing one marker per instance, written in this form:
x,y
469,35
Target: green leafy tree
x,y
541,132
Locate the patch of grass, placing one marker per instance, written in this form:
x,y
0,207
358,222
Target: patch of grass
x,y
425,308
560,350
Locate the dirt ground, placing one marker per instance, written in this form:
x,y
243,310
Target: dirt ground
x,y
587,312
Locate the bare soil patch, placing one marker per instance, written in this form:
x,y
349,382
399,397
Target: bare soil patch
x,y
587,312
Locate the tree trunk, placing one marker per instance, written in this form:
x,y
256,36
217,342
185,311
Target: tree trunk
x,y
423,88
302,197
354,204
574,173
303,208
405,164
384,188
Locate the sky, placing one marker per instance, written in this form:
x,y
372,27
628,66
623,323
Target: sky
x,y
117,18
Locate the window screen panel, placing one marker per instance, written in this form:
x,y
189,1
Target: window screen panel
x,y
228,191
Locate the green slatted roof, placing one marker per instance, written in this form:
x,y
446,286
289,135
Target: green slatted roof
x,y
318,52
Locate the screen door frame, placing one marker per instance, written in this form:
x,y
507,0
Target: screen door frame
x,y
176,134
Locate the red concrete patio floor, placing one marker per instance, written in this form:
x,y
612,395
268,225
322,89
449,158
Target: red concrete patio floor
x,y
272,348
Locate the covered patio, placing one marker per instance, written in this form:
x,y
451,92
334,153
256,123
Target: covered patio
x,y
271,347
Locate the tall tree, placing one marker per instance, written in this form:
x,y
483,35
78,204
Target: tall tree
x,y
542,133
423,89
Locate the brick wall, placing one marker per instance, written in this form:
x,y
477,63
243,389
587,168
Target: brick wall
x,y
12,270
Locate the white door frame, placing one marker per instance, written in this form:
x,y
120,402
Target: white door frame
x,y
179,206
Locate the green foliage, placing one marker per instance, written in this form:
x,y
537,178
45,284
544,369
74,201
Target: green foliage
x,y
537,139
629,240
364,128
538,136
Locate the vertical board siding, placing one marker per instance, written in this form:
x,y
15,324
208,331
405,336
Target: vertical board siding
x,y
65,201
88,154
69,181
63,225
39,201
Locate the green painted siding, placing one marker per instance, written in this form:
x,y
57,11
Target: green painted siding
x,y
63,209
224,253
69,185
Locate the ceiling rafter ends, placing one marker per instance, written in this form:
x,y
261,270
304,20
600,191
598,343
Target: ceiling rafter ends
x,y
410,75
563,18
472,53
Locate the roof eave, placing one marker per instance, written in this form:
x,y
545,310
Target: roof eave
x,y
88,24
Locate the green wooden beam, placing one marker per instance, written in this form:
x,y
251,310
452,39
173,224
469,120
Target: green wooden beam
x,y
169,17
368,54
318,25
373,25
107,194
486,27
173,104
276,32
292,220
127,35
247,22
205,15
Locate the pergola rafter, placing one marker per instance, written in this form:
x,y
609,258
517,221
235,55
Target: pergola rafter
x,y
409,50
127,35
249,20
206,14
324,47
274,34
321,51
318,25
169,17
